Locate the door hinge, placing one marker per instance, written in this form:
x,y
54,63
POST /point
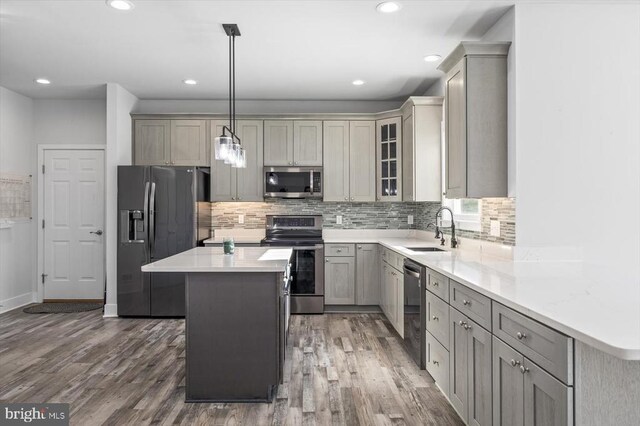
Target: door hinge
x,y
43,277
43,169
42,223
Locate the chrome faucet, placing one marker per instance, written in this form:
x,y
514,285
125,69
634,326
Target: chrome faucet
x,y
439,233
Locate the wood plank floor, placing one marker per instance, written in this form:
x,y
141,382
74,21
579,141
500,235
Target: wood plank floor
x,y
341,369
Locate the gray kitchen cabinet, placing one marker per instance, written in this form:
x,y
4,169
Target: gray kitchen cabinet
x,y
278,143
292,143
349,161
171,142
339,281
421,146
508,385
235,184
307,143
389,159
470,369
547,401
475,116
362,161
367,279
152,144
189,143
336,161
392,294
525,394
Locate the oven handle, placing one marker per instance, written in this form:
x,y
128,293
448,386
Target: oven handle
x,y
311,183
316,247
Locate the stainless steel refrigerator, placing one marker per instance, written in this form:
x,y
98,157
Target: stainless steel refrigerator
x,y
162,211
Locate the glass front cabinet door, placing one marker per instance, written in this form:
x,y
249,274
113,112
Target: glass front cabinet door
x,y
389,159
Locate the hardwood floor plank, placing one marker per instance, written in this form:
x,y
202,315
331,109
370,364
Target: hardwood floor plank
x,y
340,369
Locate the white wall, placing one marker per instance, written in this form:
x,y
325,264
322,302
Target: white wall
x,y
70,121
17,244
120,103
156,106
578,132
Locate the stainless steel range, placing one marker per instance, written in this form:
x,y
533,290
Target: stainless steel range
x,y
304,234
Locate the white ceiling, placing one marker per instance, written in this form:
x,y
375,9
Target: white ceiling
x,y
288,49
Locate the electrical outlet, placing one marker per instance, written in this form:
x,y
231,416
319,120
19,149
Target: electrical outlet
x,y
240,218
495,228
339,219
410,219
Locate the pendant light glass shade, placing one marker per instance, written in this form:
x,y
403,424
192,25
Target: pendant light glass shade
x,y
242,158
222,147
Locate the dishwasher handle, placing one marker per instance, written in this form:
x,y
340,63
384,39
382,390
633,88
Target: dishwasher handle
x,y
411,272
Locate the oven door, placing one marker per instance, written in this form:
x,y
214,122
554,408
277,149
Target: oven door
x,y
292,182
307,271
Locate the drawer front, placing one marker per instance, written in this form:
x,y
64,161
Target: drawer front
x,y
471,303
548,348
438,363
438,284
438,319
339,250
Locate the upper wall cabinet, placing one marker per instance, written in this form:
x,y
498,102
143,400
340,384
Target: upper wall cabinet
x,y
389,159
349,160
232,184
171,142
292,143
475,115
421,149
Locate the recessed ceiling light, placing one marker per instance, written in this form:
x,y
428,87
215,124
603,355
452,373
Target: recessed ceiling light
x,y
432,58
357,82
42,81
120,4
388,7
190,81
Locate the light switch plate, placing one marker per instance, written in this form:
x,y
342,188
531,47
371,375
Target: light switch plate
x,y
240,218
495,228
410,219
339,219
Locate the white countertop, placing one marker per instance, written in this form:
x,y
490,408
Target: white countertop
x,y
213,259
595,304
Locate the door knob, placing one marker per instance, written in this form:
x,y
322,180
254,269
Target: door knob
x,y
98,232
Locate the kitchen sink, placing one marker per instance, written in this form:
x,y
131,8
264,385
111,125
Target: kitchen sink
x,y
424,249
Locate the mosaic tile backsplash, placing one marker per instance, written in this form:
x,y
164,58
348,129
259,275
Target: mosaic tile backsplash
x,y
365,215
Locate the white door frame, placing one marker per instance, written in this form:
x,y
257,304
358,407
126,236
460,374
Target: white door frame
x,y
56,147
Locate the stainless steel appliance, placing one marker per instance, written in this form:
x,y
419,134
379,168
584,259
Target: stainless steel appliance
x,y
293,182
304,235
285,314
415,311
162,211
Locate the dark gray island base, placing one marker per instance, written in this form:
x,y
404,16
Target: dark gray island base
x,y
232,336
237,315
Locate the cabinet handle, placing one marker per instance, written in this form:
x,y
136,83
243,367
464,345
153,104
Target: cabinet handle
x,y
360,247
435,284
346,198
514,363
233,198
239,198
466,302
435,318
339,250
523,369
521,336
326,260
290,163
166,162
462,323
351,198
467,327
435,362
173,162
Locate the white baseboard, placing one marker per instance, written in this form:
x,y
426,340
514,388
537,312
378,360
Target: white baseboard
x,y
7,305
110,311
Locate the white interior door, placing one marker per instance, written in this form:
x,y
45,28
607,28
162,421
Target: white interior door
x,y
73,224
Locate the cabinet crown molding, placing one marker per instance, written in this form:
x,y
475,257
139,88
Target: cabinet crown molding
x,y
473,48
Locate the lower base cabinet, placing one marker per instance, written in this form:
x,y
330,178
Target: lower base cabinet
x,y
526,395
339,278
392,296
470,369
437,360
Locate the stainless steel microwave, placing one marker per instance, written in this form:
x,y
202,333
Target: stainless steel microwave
x,y
292,182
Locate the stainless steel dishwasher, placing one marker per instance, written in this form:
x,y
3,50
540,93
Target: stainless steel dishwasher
x,y
414,311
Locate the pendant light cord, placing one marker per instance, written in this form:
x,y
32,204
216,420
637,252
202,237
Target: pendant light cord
x,y
230,92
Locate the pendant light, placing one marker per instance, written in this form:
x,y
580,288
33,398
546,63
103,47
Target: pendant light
x,y
228,147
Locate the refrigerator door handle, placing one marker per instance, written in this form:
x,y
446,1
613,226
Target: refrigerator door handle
x,y
152,219
145,215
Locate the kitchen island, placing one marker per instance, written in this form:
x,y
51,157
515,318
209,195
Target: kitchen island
x,y
236,321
